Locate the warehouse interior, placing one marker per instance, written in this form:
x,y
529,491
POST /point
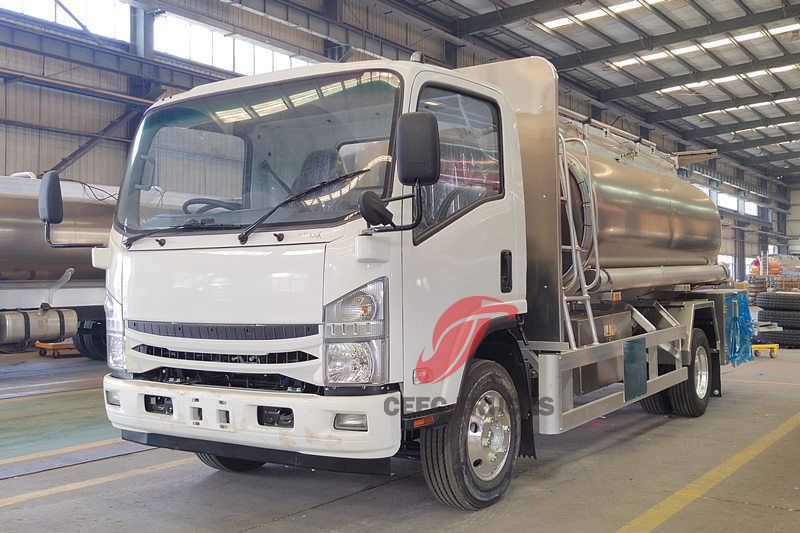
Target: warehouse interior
x,y
714,83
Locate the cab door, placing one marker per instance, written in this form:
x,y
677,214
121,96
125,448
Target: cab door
x,y
464,264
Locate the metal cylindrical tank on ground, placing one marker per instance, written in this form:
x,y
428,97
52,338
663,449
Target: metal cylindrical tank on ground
x,y
24,254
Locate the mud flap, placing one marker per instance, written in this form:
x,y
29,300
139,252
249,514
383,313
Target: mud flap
x,y
634,368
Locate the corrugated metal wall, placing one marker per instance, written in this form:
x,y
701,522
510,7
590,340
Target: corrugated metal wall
x,y
36,150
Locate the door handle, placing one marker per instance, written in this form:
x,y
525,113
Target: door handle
x,y
505,271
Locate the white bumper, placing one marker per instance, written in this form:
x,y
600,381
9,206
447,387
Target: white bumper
x,y
312,434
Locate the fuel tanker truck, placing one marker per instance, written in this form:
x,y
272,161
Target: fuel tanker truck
x,y
331,266
51,294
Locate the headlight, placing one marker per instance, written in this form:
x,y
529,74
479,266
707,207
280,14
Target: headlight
x,y
115,333
356,337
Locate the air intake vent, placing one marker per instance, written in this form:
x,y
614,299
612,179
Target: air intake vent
x,y
265,359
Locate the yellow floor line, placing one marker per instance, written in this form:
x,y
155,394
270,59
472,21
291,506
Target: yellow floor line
x,y
49,394
668,507
5,502
786,383
68,449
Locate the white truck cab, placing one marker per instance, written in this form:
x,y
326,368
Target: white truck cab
x,y
299,273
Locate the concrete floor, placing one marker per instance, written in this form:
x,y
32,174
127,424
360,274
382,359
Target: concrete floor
x,y
598,477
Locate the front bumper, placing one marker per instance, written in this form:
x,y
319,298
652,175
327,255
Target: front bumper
x,y
312,434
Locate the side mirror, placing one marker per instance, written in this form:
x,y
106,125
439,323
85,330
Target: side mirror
x,y
417,148
51,207
374,210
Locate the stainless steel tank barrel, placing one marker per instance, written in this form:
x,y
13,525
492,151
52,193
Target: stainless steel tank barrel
x,y
24,255
653,228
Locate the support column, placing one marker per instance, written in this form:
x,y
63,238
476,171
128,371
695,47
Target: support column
x,y
142,44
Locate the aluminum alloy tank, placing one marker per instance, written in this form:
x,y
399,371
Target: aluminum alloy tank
x,y
24,254
647,218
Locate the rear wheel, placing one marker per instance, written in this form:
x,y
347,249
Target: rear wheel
x,y
468,461
229,464
690,398
657,404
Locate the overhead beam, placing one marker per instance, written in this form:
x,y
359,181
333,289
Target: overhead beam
x,y
77,50
74,88
771,158
60,131
738,126
734,101
507,15
756,143
635,89
87,146
649,43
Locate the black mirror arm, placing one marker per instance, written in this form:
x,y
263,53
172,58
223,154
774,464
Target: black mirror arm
x,y
417,195
66,244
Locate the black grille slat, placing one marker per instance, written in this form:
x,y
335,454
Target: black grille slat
x,y
260,359
240,332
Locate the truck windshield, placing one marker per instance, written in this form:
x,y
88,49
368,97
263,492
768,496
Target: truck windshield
x,y
224,160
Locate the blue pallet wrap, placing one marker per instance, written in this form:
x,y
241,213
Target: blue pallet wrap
x,y
738,329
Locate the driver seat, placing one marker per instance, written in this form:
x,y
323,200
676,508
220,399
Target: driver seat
x,y
319,166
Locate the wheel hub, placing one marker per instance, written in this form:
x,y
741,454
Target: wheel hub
x,y
701,372
488,435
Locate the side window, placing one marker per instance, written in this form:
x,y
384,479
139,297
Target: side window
x,y
469,133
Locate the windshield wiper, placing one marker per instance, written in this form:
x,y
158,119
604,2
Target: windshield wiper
x,y
190,225
244,235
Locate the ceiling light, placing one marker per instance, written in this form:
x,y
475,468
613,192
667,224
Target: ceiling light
x,y
756,73
626,62
671,89
726,79
760,104
782,69
589,15
714,44
557,23
784,29
748,36
625,6
685,50
784,100
657,55
696,84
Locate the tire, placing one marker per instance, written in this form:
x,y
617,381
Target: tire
x,y
77,340
786,338
657,404
690,398
779,301
788,319
456,459
229,464
93,340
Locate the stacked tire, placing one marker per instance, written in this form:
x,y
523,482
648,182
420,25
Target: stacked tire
x,y
782,308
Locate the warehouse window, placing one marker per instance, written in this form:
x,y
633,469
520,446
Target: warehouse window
x,y
192,40
109,18
751,208
728,201
469,135
728,261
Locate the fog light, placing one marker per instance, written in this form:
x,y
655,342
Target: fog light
x,y
350,422
112,397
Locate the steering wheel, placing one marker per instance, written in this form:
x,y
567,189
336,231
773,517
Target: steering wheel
x,y
208,204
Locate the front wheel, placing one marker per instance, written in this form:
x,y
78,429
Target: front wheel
x,y
468,461
690,398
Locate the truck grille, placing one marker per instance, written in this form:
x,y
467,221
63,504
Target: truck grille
x,y
267,382
262,359
230,332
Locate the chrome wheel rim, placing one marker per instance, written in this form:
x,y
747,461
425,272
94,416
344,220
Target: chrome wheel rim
x,y
488,436
701,373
